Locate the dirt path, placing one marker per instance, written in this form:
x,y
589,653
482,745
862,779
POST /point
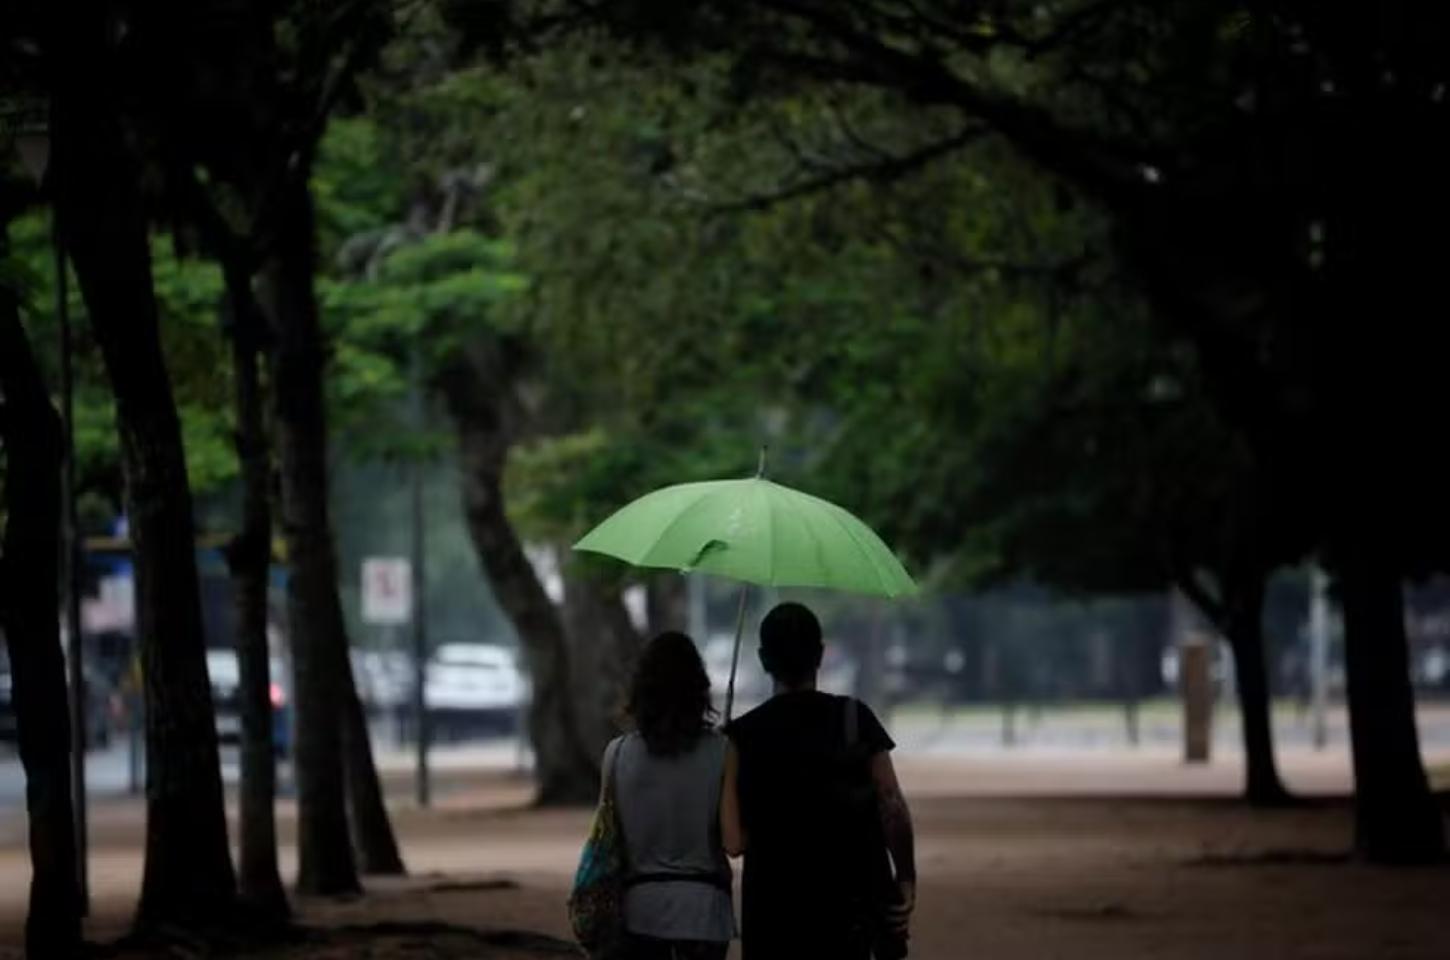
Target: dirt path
x,y
1146,859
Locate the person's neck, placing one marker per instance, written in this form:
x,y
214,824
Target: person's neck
x,y
804,685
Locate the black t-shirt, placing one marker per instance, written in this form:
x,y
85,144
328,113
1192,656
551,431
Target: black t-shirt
x,y
815,852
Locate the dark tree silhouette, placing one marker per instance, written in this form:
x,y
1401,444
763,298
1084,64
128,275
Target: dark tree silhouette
x,y
249,558
188,880
256,133
315,617
478,391
29,598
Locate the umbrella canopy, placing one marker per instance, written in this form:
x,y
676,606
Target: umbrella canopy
x,y
755,531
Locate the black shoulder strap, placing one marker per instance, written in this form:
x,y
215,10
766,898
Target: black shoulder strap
x,y
852,721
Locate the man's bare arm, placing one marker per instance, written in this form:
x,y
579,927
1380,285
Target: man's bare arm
x,y
900,836
732,833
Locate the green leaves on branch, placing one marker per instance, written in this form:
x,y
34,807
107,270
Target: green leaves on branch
x,y
188,294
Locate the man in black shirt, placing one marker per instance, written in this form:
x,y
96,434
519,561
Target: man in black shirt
x,y
812,801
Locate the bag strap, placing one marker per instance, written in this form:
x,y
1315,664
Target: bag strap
x,y
611,762
852,721
609,796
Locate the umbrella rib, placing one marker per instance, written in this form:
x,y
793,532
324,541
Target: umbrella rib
x,y
678,517
770,533
813,573
832,510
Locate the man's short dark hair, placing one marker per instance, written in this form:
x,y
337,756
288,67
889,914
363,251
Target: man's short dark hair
x,y
790,643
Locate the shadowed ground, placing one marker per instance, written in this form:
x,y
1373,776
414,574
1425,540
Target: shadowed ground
x,y
1031,853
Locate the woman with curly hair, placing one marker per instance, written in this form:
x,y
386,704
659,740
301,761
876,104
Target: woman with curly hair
x,y
667,774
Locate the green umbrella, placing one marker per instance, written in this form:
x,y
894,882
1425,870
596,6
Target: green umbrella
x,y
756,531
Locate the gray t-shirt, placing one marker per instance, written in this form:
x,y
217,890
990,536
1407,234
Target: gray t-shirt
x,y
670,810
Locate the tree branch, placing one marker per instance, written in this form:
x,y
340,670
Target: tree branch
x,y
1058,271
1196,591
1074,25
974,42
849,131
1099,165
231,247
891,167
298,146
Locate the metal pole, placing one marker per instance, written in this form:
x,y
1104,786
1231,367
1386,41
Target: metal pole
x,y
420,620
1319,656
735,655
740,621
71,549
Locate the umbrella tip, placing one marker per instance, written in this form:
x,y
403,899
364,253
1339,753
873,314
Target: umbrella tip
x,y
760,469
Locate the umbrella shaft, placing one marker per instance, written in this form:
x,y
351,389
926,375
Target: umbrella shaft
x,y
735,654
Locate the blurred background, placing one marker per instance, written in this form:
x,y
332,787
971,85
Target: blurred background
x,y
1014,666
327,328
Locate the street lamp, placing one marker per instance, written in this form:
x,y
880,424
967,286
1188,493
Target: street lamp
x,y
33,143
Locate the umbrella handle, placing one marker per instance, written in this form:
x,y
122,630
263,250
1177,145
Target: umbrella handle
x,y
735,655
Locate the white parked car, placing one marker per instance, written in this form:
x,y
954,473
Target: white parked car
x,y
1434,667
474,688
225,674
384,679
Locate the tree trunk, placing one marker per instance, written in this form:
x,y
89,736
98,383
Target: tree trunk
x,y
1244,628
372,831
294,271
29,573
603,648
188,880
1396,818
1238,615
325,857
566,772
249,557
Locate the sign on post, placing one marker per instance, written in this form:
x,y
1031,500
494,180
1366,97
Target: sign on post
x,y
387,590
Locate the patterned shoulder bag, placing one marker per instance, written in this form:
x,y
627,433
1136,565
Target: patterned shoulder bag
x,y
596,902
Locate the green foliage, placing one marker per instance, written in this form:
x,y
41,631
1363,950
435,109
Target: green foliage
x,y
850,331
399,304
188,294
947,351
354,190
946,348
951,354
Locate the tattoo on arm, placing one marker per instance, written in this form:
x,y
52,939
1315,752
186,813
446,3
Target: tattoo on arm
x,y
895,818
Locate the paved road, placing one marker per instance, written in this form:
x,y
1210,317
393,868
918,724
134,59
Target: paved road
x,y
109,771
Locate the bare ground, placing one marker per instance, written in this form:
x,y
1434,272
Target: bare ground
x,y
1026,855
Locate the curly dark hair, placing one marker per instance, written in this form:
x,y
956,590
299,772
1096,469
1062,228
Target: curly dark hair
x,y
669,698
